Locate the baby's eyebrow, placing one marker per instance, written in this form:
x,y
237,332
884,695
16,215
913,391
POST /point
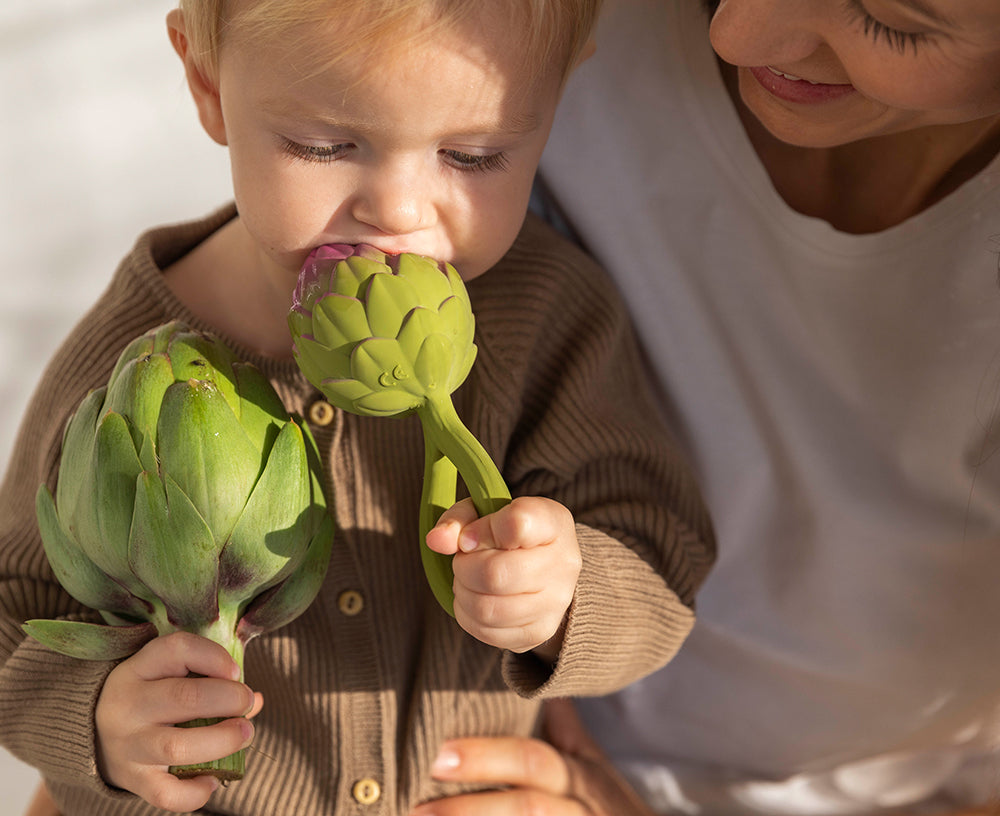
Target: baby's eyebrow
x,y
515,124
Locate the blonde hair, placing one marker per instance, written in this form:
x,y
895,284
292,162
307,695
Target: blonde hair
x,y
552,29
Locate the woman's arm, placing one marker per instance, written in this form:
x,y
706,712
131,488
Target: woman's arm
x,y
568,776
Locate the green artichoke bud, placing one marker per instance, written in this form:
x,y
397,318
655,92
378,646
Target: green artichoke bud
x,y
386,335
187,499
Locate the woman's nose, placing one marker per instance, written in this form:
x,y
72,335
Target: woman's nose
x,y
769,32
395,202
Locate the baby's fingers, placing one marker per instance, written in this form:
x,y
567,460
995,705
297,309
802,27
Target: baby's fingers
x,y
167,792
170,745
180,654
160,747
525,523
179,699
444,536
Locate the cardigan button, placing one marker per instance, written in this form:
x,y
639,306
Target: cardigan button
x,y
350,602
366,791
321,413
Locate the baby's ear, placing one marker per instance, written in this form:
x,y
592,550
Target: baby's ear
x,y
204,89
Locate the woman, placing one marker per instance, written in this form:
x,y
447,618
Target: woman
x,y
803,209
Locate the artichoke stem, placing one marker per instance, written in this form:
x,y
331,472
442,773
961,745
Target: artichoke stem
x,y
229,768
440,481
445,429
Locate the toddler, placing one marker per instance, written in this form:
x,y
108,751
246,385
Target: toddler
x,y
416,126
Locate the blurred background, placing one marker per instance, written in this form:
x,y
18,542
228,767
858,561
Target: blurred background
x,y
98,141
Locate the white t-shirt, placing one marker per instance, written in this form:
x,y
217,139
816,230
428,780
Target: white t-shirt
x,y
838,395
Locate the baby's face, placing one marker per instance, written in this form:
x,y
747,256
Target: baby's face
x,y
428,148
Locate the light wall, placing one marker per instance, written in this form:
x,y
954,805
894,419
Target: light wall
x,y
98,141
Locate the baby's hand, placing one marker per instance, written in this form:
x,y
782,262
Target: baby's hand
x,y
515,571
142,699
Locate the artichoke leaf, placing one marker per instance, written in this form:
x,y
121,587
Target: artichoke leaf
x,y
319,362
461,371
139,347
417,325
283,603
207,453
77,448
314,280
388,299
137,391
103,514
426,277
173,552
261,412
387,403
380,363
344,394
339,320
90,641
300,321
353,273
343,279
433,364
147,454
456,314
163,335
77,573
266,542
193,356
457,284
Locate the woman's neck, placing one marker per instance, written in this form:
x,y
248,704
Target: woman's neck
x,y
877,183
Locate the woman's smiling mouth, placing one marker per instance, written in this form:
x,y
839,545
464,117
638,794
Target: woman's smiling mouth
x,y
792,88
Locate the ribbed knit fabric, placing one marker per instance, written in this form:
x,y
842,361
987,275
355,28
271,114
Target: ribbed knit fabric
x,y
557,396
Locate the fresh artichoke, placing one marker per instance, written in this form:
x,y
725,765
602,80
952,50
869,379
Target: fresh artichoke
x,y
386,335
187,499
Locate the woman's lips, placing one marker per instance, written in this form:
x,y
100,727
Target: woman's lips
x,y
793,89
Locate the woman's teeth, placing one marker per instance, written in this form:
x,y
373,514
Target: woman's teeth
x,y
792,77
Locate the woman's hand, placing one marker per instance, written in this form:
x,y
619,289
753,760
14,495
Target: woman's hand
x,y
569,777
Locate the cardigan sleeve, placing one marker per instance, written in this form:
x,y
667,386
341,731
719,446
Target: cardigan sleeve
x,y
558,354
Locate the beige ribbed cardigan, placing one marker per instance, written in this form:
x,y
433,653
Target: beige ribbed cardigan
x,y
557,396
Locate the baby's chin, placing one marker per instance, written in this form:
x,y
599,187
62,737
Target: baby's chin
x,y
471,268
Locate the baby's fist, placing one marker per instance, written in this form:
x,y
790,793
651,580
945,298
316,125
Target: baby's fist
x,y
515,571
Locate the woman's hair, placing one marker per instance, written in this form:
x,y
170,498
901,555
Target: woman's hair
x,y
553,30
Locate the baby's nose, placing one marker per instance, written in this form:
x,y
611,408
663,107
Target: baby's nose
x,y
394,205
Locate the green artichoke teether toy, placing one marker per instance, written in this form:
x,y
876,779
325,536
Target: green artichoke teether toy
x,y
385,335
187,499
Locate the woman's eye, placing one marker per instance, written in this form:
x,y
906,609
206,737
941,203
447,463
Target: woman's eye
x,y
315,153
895,38
474,161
